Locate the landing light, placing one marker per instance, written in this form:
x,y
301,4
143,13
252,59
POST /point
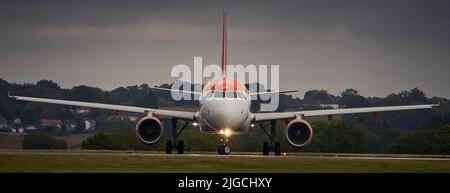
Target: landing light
x,y
252,125
225,132
195,124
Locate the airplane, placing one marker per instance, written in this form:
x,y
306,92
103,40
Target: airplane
x,y
224,110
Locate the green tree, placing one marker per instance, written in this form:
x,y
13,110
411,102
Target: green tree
x,y
415,95
318,96
98,141
380,134
29,115
425,141
338,137
351,98
48,84
42,141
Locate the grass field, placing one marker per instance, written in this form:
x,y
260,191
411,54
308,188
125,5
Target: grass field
x,y
132,162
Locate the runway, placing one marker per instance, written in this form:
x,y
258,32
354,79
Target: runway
x,y
137,161
332,157
344,156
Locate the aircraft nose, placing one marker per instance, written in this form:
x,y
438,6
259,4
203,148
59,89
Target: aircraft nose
x,y
226,117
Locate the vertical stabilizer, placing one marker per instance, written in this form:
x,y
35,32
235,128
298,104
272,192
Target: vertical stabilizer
x,y
224,43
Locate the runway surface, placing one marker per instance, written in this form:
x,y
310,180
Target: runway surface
x,y
143,161
348,156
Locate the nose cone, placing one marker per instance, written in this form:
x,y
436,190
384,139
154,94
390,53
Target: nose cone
x,y
226,116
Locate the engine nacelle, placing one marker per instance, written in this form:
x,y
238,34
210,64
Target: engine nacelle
x,y
149,130
298,133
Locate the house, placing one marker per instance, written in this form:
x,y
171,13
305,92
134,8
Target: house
x,y
30,129
82,110
17,126
17,130
3,123
328,118
123,117
69,124
329,106
89,125
133,118
51,123
18,122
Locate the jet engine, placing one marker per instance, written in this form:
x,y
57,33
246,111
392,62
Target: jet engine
x,y
149,130
298,133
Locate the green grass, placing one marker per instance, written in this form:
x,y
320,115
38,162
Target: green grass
x,y
123,162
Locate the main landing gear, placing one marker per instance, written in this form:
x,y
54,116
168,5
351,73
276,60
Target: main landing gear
x,y
175,143
271,144
224,148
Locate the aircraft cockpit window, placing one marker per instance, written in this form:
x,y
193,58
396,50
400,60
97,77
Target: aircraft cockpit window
x,y
219,94
209,95
240,95
231,95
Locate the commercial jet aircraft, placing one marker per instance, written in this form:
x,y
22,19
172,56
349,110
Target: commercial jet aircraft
x,y
224,110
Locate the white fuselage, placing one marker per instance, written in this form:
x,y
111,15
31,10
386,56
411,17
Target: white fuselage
x,y
223,109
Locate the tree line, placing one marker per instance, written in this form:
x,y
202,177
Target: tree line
x,y
424,131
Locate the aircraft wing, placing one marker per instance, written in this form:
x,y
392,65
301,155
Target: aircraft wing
x,y
325,112
123,108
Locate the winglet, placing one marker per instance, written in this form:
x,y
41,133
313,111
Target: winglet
x,y
437,105
10,96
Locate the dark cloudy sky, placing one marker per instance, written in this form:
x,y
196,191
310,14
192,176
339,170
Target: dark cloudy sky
x,y
377,47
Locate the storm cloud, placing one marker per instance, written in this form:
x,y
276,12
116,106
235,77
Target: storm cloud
x,y
376,47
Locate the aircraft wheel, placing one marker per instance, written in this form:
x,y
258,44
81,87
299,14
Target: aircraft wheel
x,y
224,150
168,147
219,150
180,147
266,148
277,149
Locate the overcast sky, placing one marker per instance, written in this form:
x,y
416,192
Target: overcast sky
x,y
377,47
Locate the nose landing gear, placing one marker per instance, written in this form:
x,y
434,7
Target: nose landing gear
x,y
224,148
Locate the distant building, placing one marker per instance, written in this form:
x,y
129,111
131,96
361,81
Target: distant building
x,y
328,106
89,125
51,123
17,126
133,118
122,117
82,110
17,130
324,118
3,123
118,117
18,121
30,129
69,124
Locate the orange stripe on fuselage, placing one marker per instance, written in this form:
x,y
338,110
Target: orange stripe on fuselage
x,y
225,84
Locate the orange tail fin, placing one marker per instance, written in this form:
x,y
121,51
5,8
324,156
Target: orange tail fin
x,y
224,43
